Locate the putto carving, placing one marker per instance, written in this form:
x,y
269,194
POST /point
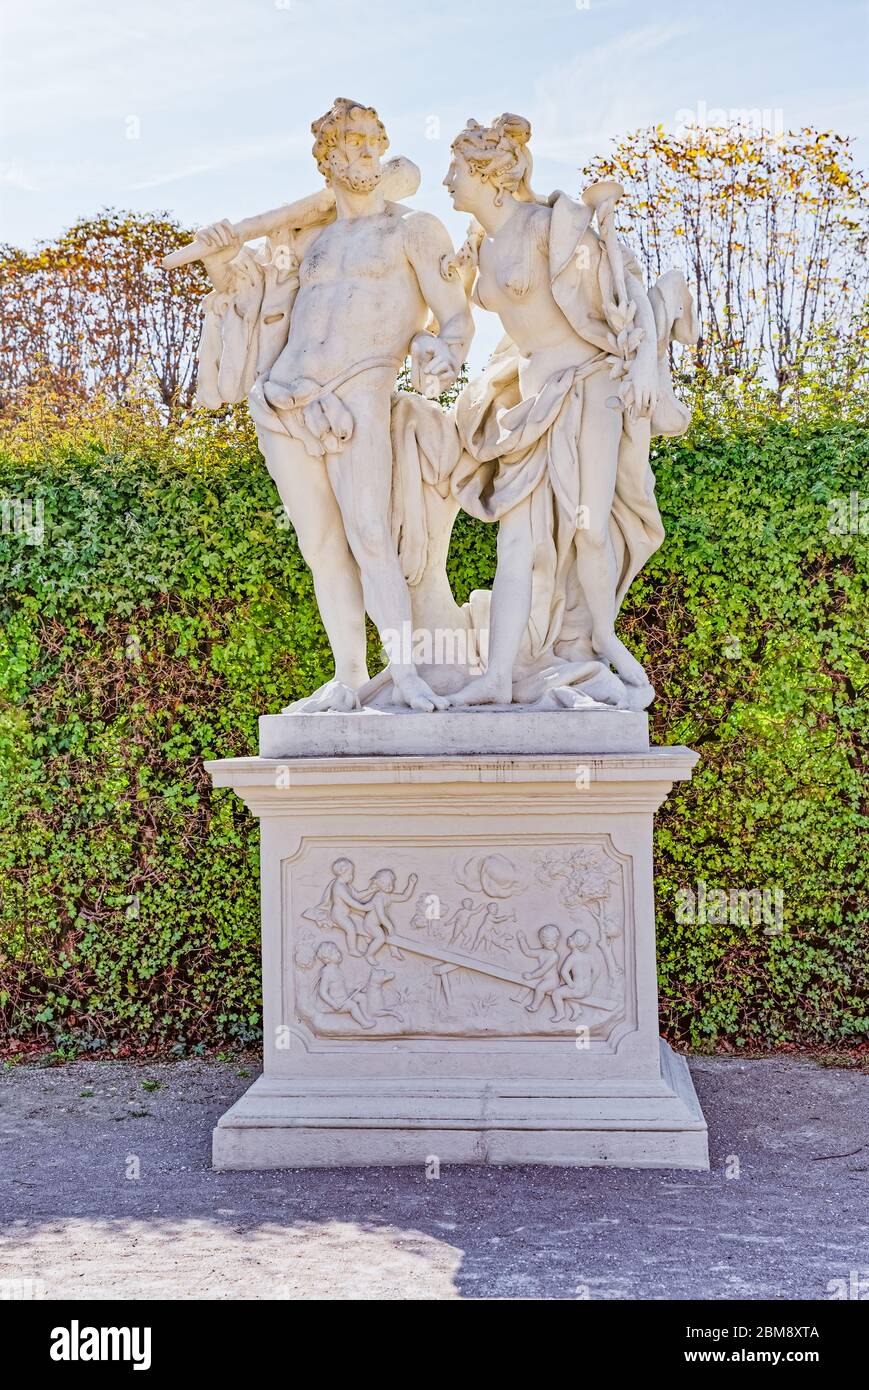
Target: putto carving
x,y
576,978
444,966
364,1003
331,988
545,976
585,878
339,905
341,902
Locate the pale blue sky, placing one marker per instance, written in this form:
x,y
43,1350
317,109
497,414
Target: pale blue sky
x,y
224,91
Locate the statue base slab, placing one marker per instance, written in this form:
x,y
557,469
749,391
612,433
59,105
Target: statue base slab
x,y
459,963
491,729
279,1123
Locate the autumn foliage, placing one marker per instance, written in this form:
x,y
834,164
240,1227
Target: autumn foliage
x,y
93,313
772,234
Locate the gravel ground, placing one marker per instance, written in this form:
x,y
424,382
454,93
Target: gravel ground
x,y
77,1221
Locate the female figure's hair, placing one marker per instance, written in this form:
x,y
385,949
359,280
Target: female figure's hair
x,y
499,154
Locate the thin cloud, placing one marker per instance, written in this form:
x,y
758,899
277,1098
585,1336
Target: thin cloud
x,y
227,157
13,176
602,92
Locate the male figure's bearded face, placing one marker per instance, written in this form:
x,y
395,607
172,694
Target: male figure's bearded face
x,y
355,160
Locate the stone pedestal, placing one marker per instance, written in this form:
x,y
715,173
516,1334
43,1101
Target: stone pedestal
x,y
459,960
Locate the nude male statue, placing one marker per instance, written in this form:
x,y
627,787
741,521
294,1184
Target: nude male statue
x,y
318,331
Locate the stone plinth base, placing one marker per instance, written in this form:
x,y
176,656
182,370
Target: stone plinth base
x,y
644,1124
459,963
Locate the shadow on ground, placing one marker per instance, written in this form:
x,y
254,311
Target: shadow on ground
x,y
106,1192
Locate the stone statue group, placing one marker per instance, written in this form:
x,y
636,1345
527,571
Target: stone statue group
x,y
551,440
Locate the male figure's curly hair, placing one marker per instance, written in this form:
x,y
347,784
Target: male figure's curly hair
x,y
328,130
499,155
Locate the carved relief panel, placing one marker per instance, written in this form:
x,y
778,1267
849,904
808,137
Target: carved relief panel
x,y
467,940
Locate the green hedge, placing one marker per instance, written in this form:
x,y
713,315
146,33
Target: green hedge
x,y
167,607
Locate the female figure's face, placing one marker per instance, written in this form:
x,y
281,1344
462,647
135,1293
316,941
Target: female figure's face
x,y
463,186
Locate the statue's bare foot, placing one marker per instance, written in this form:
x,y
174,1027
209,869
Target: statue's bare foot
x,y
334,695
611,649
411,690
488,689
